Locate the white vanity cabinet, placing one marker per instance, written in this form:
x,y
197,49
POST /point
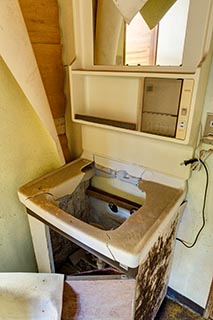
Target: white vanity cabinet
x,y
141,103
197,34
115,96
141,247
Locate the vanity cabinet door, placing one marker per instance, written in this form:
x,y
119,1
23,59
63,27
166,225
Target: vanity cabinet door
x,y
95,299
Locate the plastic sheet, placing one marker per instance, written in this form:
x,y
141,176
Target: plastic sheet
x,y
31,296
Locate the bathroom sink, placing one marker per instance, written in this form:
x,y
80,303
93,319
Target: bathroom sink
x,y
92,202
121,225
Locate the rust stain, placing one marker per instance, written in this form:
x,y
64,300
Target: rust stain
x,y
153,275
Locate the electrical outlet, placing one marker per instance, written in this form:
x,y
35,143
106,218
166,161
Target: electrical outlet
x,y
208,131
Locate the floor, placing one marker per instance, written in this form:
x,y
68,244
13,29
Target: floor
x,y
172,310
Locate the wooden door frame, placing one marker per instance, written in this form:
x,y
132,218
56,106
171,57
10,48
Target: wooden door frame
x,y
208,312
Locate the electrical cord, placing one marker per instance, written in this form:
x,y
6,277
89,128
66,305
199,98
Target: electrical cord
x,y
204,204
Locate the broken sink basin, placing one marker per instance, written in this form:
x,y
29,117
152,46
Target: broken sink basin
x,y
55,199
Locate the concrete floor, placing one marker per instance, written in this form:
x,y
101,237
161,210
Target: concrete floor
x,y
172,310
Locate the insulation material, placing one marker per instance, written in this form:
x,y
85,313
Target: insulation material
x,y
129,9
108,29
31,296
153,11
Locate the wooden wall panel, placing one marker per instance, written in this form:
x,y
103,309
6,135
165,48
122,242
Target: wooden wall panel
x,y
41,19
209,306
48,57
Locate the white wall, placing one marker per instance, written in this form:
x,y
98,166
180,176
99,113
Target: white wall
x,y
192,268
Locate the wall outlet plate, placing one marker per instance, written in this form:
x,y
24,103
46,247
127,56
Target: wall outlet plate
x,y
208,130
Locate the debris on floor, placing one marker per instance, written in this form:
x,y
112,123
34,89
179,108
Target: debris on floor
x,y
170,310
79,261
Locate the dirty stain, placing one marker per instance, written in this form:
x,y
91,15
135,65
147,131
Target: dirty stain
x,y
153,275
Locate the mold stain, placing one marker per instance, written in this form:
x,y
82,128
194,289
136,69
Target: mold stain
x,y
153,275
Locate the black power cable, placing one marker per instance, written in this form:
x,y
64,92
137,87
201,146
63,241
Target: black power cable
x,y
204,204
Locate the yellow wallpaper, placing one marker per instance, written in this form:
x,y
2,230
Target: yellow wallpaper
x,y
26,152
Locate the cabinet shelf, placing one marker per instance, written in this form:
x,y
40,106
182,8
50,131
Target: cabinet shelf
x,y
108,122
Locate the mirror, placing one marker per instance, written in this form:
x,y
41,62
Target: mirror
x,y
119,44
